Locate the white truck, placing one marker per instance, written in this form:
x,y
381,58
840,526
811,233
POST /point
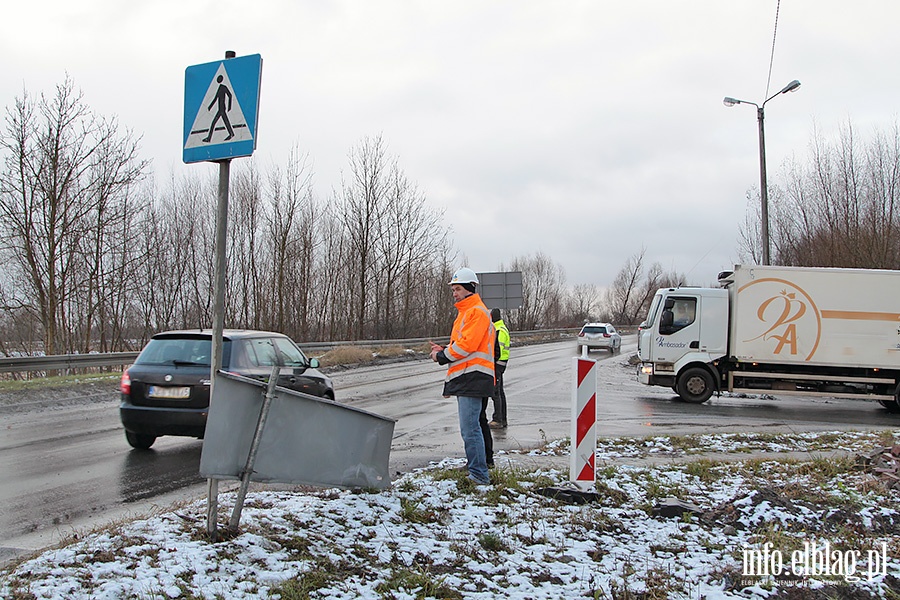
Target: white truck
x,y
778,330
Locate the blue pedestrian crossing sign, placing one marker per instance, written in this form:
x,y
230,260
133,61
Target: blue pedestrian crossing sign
x,y
221,107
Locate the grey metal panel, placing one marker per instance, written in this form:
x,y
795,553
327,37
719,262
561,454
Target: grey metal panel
x,y
501,289
306,439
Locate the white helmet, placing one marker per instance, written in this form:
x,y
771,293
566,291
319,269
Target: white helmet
x,y
464,275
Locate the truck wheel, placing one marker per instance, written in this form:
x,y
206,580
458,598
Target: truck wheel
x,y
891,405
695,385
140,441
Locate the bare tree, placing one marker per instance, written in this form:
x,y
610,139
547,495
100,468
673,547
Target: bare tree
x,y
583,303
841,208
390,246
291,227
78,231
362,200
111,238
623,297
63,194
244,285
335,289
178,242
628,298
410,250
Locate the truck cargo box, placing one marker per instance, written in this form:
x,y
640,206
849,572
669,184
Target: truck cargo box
x,y
816,316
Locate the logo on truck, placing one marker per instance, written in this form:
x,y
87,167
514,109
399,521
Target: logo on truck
x,y
787,317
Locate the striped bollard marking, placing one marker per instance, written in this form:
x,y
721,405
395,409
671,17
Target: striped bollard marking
x,y
583,446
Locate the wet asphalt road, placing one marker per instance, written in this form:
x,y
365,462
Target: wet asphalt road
x,y
67,468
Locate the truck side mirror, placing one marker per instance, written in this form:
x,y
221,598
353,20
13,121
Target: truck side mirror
x,y
665,322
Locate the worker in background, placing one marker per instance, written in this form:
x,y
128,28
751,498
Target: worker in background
x,y
501,356
470,368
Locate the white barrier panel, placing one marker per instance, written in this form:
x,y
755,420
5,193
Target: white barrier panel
x,y
306,439
583,446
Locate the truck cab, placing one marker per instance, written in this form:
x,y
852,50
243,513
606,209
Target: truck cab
x,y
686,331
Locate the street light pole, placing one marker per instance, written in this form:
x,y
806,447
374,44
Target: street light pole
x,y
763,185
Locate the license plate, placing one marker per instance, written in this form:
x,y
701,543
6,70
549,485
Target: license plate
x,y
160,391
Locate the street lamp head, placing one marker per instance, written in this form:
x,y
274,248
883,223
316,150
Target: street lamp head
x,y
791,87
728,101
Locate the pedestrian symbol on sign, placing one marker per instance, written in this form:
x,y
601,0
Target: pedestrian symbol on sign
x,y
220,113
220,101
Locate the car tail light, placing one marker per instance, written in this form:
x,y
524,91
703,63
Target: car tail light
x,y
125,384
605,335
580,334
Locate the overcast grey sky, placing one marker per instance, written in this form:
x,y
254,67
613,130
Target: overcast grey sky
x,y
582,129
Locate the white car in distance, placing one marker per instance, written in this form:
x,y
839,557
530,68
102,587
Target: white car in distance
x,y
599,336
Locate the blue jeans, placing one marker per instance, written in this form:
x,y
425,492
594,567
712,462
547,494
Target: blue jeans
x,y
473,440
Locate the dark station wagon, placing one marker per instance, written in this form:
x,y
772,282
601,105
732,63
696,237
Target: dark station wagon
x,y
166,390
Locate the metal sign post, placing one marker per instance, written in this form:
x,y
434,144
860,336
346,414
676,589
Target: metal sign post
x,y
218,321
254,448
221,106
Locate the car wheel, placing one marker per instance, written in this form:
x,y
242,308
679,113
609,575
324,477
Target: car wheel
x,y
141,441
695,385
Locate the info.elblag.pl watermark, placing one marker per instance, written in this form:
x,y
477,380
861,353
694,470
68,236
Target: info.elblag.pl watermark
x,y
814,561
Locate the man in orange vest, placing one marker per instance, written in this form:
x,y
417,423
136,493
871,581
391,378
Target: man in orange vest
x,y
470,368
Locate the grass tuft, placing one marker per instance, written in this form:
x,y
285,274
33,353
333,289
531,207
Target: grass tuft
x,y
346,355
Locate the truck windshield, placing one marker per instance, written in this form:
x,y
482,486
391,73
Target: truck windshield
x,y
654,308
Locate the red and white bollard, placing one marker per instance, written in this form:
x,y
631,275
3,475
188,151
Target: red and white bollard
x,y
584,419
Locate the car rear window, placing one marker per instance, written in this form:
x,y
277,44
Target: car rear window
x,y
595,329
176,351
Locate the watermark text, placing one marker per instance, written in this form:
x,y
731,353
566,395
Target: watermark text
x,y
815,560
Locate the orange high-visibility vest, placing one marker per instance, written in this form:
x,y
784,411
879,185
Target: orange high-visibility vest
x,y
470,351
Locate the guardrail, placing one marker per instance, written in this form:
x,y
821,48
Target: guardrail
x,y
13,364
65,362
314,347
